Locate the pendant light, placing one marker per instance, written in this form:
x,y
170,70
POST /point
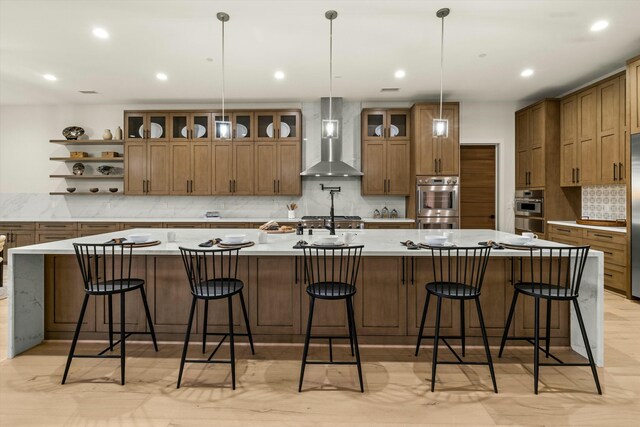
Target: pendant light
x,y
330,127
223,127
440,125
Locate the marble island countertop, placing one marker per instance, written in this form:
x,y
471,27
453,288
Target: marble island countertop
x,y
376,242
591,227
191,219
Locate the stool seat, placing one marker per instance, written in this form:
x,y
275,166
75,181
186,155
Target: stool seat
x,y
544,290
218,288
452,290
331,290
111,287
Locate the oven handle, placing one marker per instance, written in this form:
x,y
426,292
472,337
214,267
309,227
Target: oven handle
x,y
420,206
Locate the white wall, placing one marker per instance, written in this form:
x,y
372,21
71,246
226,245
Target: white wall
x,y
25,166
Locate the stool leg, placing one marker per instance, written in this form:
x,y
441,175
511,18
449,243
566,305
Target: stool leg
x,y
148,314
536,346
486,345
122,338
75,337
246,322
204,326
305,352
355,342
424,318
548,330
232,350
594,371
436,341
110,314
186,339
505,334
350,326
462,325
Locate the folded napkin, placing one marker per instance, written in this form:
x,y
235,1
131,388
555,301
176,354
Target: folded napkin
x,y
117,241
300,244
410,245
491,243
210,243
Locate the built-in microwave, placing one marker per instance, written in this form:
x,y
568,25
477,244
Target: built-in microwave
x,y
529,203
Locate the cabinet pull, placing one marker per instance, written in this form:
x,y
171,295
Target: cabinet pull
x,y
435,165
403,265
412,272
619,171
615,167
230,190
603,235
439,165
573,175
577,174
192,186
564,230
234,186
274,185
187,186
607,274
388,186
295,262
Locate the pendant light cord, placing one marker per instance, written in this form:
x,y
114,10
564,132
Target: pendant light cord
x,y
441,64
330,68
223,80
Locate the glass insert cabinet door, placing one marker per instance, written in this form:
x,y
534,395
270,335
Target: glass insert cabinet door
x,y
373,125
243,126
398,125
151,126
190,126
179,128
157,127
265,126
281,126
380,125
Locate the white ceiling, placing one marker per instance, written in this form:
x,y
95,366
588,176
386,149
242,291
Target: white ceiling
x,y
371,40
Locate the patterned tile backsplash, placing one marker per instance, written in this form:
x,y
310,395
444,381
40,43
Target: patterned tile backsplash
x,y
604,202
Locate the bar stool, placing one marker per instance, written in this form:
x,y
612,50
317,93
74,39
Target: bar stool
x,y
106,271
458,273
549,273
330,274
212,275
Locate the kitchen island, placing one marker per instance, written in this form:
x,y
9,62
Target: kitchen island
x,y
46,291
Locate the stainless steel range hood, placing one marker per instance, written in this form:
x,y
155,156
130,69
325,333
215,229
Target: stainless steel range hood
x,y
331,163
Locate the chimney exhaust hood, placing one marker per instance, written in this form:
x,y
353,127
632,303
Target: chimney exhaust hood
x,y
331,163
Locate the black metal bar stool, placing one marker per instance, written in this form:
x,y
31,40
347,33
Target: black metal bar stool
x,y
549,273
106,271
458,273
212,275
330,273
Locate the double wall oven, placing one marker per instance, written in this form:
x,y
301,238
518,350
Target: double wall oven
x,y
438,202
529,209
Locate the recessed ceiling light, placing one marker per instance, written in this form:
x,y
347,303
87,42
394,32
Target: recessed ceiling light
x,y
599,25
528,72
400,74
161,76
50,77
279,75
100,33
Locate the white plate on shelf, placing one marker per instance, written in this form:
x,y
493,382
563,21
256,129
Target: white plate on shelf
x,y
394,130
285,130
156,130
241,131
200,131
378,130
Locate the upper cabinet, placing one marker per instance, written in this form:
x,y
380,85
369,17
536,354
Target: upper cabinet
x,y
537,143
386,152
190,127
435,155
633,91
152,126
278,126
592,133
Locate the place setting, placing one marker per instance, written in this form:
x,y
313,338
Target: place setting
x,y
522,242
431,241
230,241
135,240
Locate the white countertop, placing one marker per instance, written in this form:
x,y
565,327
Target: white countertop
x,y
190,219
376,242
592,227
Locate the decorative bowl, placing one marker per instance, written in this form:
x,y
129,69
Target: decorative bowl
x,y
72,132
78,169
139,238
105,170
518,240
71,189
113,189
234,238
435,240
327,240
93,190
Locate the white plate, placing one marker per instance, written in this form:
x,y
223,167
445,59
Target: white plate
x,y
241,131
156,130
235,243
378,130
328,243
200,131
285,130
394,130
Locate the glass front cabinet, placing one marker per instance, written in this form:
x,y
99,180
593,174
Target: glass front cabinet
x,y
379,125
149,126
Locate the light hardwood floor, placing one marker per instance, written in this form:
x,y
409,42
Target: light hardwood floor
x,y
396,387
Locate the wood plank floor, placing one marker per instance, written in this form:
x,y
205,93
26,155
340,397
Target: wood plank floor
x,y
396,387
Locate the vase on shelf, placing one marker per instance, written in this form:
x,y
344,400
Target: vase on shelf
x,y
107,134
118,133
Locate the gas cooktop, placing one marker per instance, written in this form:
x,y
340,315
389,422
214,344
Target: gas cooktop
x,y
342,221
327,217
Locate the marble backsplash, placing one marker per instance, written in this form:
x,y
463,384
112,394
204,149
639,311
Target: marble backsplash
x,y
313,202
604,202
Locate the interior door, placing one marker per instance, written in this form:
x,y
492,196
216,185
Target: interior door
x,y
478,186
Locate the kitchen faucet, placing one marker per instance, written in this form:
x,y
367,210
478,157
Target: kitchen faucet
x,y
332,216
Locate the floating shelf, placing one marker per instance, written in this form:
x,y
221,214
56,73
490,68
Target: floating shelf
x,y
87,159
87,141
84,193
113,177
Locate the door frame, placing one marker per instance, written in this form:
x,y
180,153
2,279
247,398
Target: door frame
x,y
496,145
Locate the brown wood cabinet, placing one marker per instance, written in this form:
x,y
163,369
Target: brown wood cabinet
x,y
568,141
610,131
55,231
633,95
431,155
277,168
389,225
17,234
146,125
186,126
278,126
190,168
147,168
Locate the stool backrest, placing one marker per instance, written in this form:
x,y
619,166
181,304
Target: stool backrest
x,y
332,265
459,265
560,267
105,267
205,265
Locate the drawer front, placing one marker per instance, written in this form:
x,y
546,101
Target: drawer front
x,y
99,227
51,236
185,225
130,225
567,240
56,226
613,254
15,226
615,277
561,230
389,225
232,225
607,237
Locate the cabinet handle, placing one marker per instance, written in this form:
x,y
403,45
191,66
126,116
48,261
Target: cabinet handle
x,y
439,165
603,235
564,230
274,185
615,167
607,274
187,186
234,186
435,165
192,186
412,272
619,171
230,191
388,186
278,186
403,265
577,174
573,175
